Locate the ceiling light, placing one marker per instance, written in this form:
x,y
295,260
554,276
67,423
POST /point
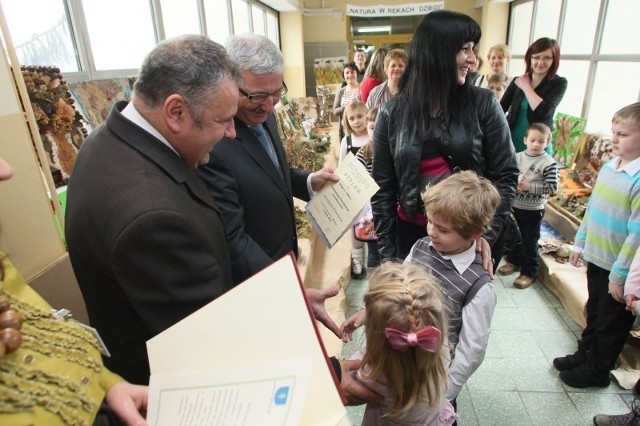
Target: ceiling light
x,y
380,29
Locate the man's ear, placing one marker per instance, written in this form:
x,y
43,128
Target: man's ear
x,y
176,113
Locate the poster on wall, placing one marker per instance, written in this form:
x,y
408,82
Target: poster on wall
x,y
566,136
380,10
328,72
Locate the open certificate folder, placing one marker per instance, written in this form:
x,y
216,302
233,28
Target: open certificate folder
x,y
335,208
251,357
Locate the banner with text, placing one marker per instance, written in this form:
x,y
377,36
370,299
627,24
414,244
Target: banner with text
x,y
394,10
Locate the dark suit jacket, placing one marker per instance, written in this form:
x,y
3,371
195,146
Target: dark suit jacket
x,y
145,237
255,198
551,91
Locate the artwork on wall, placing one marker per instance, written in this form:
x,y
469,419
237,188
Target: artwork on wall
x,y
60,125
328,71
96,97
576,183
329,78
566,136
593,151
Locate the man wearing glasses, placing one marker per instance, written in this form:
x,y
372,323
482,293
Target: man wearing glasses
x,y
249,176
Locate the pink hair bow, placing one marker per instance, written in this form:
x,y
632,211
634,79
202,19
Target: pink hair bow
x,y
426,338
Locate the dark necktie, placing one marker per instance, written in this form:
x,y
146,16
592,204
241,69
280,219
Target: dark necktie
x,y
262,136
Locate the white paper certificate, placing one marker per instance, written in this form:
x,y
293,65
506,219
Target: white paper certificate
x,y
337,205
268,394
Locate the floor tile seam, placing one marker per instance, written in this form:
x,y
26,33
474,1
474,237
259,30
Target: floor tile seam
x,y
563,392
589,419
502,391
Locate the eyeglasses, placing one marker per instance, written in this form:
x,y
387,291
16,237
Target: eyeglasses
x,y
542,58
257,98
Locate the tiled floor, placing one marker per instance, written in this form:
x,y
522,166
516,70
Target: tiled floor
x,y
517,384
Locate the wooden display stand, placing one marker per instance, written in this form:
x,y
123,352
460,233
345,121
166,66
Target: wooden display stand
x,y
321,267
567,282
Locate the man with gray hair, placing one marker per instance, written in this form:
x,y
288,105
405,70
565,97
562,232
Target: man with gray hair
x,y
145,237
249,175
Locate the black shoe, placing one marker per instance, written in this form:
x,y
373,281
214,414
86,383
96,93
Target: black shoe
x,y
584,377
570,361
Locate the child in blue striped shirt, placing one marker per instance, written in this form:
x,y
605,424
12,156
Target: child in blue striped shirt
x,y
607,240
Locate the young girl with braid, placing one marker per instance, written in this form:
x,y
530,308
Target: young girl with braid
x,y
406,353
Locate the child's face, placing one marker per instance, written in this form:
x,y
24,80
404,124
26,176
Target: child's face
x,y
444,237
625,140
536,142
371,125
497,89
357,121
350,75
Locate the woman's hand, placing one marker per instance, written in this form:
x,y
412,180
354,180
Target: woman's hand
x,y
484,248
523,82
129,403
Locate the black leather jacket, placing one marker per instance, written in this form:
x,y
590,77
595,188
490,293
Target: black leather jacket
x,y
551,92
396,156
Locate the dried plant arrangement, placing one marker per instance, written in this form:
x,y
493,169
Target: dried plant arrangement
x,y
60,125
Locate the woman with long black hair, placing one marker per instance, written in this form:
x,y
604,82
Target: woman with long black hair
x,y
438,123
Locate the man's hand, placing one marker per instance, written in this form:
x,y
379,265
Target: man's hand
x,y
322,176
129,403
351,324
484,248
355,392
316,300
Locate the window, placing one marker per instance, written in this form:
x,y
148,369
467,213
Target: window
x,y
88,39
620,25
257,18
241,16
217,16
115,49
547,27
180,17
581,19
41,38
600,57
615,85
272,28
520,27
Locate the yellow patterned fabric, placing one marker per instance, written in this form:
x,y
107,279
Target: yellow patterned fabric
x,y
56,377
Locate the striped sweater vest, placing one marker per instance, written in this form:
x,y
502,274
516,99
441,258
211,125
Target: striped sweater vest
x,y
458,289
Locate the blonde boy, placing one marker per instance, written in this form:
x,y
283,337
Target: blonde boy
x,y
459,210
607,240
